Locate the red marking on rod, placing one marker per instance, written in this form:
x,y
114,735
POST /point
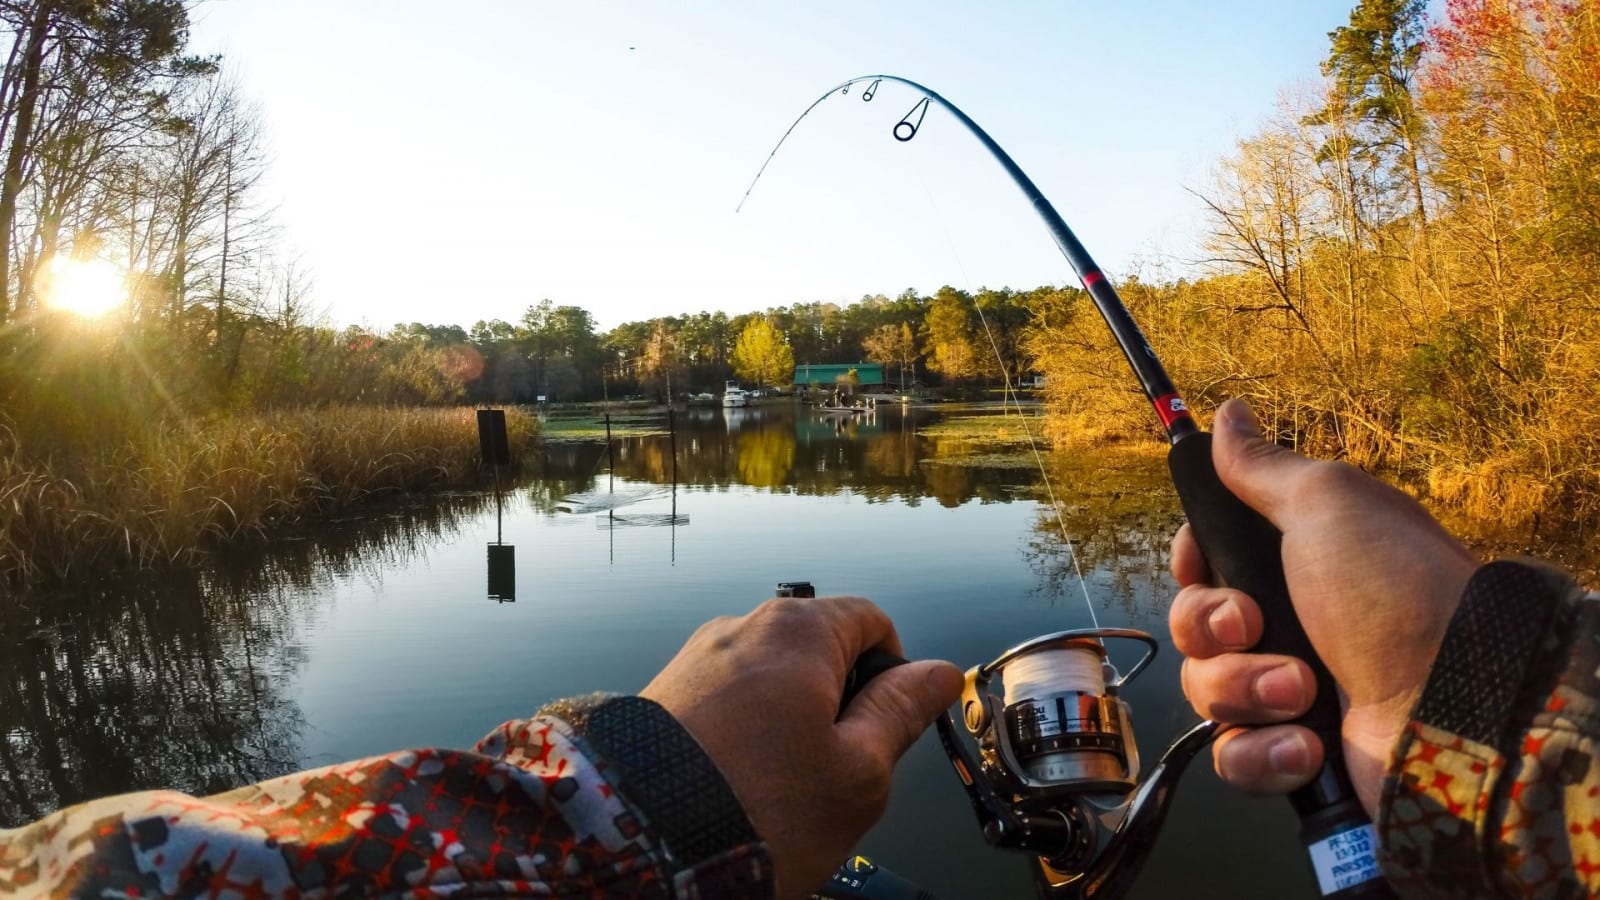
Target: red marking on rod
x,y
1171,408
1093,278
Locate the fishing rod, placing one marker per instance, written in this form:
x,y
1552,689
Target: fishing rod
x,y
1056,771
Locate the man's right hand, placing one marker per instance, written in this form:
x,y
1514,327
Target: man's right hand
x,y
1374,580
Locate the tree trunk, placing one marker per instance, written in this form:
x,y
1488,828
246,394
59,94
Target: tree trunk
x,y
227,238
27,103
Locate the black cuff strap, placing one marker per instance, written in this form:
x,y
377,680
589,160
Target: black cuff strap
x,y
663,770
1490,649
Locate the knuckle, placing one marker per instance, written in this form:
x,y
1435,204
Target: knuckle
x,y
1328,478
1190,620
1208,693
855,608
783,608
712,629
1232,761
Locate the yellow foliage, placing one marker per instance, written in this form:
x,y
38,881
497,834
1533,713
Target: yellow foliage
x,y
1454,344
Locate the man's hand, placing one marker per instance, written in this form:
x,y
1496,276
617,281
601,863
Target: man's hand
x,y
1374,580
760,693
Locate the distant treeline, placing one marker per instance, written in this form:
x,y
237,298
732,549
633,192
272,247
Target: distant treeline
x,y
556,351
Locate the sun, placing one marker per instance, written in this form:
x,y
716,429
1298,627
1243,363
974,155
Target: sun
x,y
84,287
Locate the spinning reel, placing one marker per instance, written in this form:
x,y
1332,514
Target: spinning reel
x,y
1056,771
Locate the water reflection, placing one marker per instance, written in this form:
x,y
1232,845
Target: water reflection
x,y
181,682
185,681
285,655
882,455
1117,512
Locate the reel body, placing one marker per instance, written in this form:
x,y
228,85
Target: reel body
x,y
1057,769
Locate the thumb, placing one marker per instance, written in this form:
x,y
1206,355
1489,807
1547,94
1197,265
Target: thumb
x,y
898,705
1257,471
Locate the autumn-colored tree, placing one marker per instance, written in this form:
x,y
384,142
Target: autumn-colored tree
x,y
662,359
950,344
893,345
1402,266
762,355
1372,68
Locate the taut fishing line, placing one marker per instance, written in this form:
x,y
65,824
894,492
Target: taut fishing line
x,y
1009,392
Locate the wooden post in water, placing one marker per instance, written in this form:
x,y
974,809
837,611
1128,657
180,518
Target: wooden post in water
x,y
611,459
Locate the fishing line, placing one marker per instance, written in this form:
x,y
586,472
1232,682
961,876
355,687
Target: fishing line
x,y
1052,671
1005,375
903,131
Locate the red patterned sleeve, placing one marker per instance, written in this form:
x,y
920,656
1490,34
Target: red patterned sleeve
x,y
1494,789
605,797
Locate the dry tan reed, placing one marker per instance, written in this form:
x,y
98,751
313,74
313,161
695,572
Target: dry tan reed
x,y
168,491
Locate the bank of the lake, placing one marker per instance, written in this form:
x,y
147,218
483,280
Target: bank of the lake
x,y
164,492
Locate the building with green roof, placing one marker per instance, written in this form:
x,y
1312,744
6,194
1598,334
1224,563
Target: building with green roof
x,y
828,374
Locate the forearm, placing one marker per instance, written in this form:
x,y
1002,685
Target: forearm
x,y
1493,788
591,798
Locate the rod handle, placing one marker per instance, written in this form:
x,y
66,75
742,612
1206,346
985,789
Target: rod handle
x,y
1244,551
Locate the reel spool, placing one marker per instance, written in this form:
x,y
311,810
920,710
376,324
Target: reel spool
x,y
1061,727
1057,771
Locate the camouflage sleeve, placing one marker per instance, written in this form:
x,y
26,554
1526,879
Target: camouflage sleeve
x,y
601,797
1494,789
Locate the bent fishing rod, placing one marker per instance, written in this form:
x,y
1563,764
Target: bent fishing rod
x,y
1056,771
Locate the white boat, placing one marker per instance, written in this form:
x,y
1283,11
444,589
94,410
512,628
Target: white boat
x,y
734,396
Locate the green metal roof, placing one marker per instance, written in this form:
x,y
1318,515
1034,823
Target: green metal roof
x,y
829,373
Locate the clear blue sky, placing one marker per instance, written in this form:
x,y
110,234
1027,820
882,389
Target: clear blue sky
x,y
449,162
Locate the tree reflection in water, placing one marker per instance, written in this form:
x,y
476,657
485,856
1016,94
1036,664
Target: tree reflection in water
x,y
1120,511
180,681
880,456
185,681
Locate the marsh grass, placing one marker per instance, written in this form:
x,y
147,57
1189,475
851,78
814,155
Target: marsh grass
x,y
988,430
164,492
593,428
995,441
1020,458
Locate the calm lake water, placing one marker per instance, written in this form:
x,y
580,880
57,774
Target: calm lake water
x,y
379,633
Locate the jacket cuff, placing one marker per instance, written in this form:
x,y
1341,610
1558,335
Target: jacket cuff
x,y
657,766
1500,655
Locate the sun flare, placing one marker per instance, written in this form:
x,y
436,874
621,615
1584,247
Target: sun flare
x,y
84,287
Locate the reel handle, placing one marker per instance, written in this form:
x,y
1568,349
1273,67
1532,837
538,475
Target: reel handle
x,y
869,665
1244,551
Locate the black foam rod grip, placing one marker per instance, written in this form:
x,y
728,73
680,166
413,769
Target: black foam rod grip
x,y
869,665
1244,551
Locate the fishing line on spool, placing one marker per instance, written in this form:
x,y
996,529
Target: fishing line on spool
x,y
1049,672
